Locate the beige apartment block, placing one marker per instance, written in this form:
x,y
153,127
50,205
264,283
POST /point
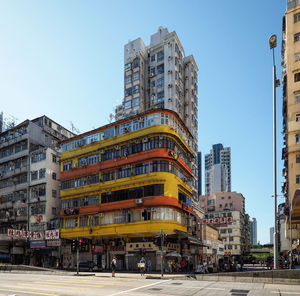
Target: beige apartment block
x,y
291,112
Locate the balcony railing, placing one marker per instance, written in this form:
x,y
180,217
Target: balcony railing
x,y
292,4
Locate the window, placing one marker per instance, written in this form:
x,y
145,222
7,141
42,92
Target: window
x,y
136,76
152,72
54,211
152,84
297,57
160,69
127,105
42,173
34,175
297,138
135,102
298,158
160,96
296,37
160,82
297,98
153,58
54,176
296,17
54,158
83,221
229,197
297,77
67,165
298,179
160,56
54,193
146,214
231,238
123,172
136,89
127,79
128,67
135,63
297,117
94,220
128,92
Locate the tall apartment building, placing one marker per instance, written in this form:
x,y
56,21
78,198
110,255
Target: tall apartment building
x,y
160,76
218,170
226,212
29,185
199,173
253,231
290,62
125,182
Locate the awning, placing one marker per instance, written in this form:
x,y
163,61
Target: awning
x,y
189,237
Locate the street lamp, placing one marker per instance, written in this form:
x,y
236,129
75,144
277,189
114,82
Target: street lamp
x,y
276,83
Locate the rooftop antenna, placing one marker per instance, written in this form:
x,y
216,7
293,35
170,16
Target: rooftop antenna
x,y
74,129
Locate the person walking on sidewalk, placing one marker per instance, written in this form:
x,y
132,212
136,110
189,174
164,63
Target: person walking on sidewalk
x,y
149,266
113,266
142,266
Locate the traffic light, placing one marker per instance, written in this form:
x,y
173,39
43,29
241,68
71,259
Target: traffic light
x,y
74,245
165,236
80,243
157,241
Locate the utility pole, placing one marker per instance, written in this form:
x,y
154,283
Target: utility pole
x,y
161,253
77,245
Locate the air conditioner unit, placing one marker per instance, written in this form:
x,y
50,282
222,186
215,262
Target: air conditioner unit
x,y
169,85
170,58
102,151
170,99
170,72
74,165
145,139
117,147
138,201
101,215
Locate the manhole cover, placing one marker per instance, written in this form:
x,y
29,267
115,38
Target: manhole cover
x,y
176,283
155,289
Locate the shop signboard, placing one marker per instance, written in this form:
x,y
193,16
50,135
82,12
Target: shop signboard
x,y
52,234
97,249
24,234
53,243
222,220
38,244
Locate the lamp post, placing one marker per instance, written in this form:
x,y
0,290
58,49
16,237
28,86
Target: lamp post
x,y
276,83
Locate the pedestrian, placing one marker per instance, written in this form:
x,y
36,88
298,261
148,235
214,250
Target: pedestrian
x,y
170,263
205,266
142,266
113,266
182,264
149,266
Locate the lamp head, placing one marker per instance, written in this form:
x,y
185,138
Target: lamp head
x,y
273,41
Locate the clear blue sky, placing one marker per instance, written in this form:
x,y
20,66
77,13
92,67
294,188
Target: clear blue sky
x,y
65,59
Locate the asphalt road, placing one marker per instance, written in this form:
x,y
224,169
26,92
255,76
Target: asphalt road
x,y
18,284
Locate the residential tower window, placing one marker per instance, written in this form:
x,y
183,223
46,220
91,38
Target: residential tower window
x,y
160,69
298,179
128,67
127,105
136,76
296,17
298,158
297,97
297,138
160,56
296,37
297,77
135,102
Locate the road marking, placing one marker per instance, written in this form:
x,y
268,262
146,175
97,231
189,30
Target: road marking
x,y
78,282
138,288
282,292
215,289
73,284
31,292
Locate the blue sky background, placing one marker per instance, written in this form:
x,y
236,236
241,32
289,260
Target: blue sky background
x,y
65,59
